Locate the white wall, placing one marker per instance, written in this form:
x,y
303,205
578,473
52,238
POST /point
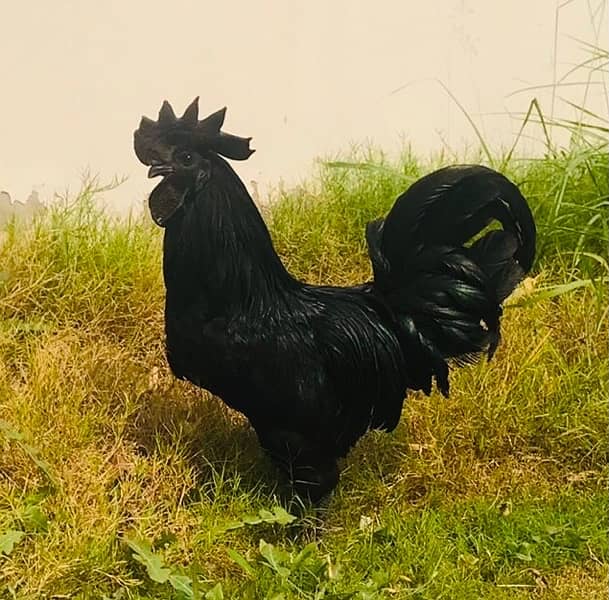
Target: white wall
x,y
304,79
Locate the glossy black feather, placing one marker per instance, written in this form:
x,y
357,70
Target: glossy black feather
x,y
314,367
424,267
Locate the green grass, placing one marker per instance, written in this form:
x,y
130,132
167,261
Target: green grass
x,y
117,481
567,192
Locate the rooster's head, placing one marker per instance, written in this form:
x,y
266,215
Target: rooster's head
x,y
180,149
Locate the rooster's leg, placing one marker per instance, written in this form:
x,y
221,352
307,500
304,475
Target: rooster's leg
x,y
311,470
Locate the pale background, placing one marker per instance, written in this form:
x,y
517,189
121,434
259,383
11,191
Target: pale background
x,y
304,79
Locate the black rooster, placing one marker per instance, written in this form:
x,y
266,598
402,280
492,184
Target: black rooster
x,y
314,367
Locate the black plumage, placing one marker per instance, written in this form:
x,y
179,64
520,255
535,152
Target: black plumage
x,y
314,367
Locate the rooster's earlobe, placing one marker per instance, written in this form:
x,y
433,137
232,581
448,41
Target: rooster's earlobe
x,y
164,201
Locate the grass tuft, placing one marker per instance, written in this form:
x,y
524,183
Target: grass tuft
x,y
117,481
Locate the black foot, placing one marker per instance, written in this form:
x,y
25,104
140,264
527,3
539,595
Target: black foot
x,y
314,483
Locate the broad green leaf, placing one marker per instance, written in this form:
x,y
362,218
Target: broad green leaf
x,y
182,584
241,561
307,552
524,552
155,567
215,593
9,432
275,558
277,515
34,519
282,516
251,519
9,539
554,529
230,526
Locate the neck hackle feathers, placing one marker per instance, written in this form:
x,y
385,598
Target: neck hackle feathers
x,y
153,138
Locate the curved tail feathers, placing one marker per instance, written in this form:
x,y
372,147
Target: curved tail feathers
x,y
445,289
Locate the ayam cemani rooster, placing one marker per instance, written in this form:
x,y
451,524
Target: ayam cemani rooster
x,y
314,367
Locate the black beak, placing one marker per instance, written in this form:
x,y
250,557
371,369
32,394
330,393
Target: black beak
x,y
156,170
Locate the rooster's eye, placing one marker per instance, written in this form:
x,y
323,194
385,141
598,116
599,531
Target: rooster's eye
x,y
185,158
